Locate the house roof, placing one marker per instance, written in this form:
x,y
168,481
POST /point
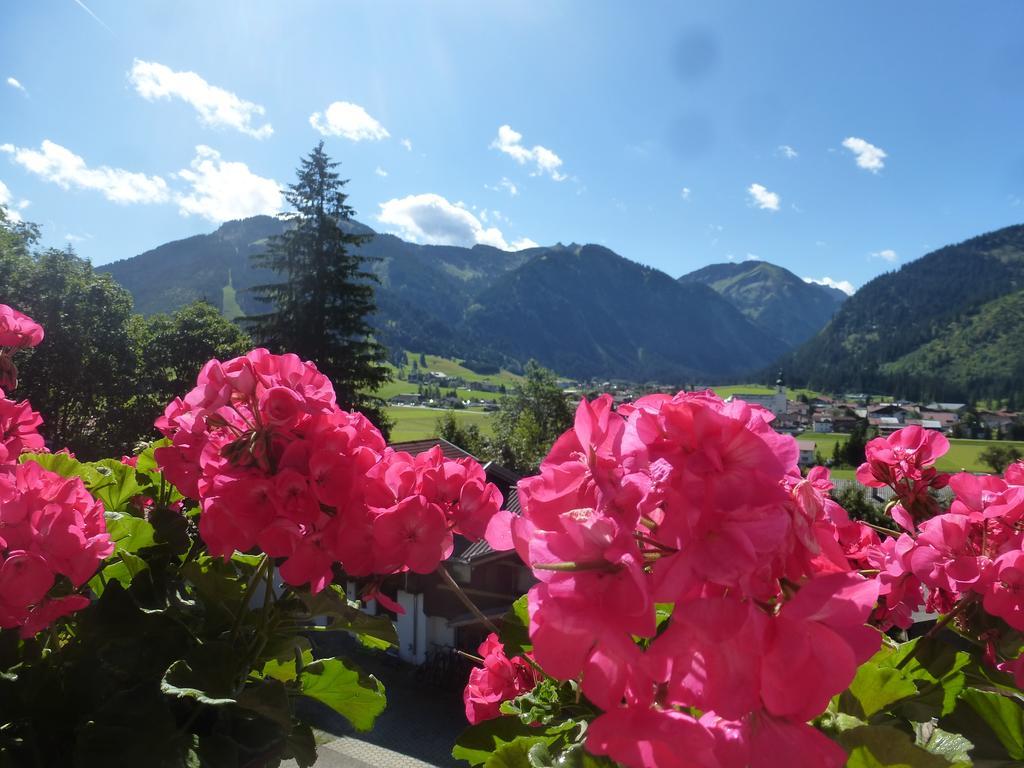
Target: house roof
x,y
806,445
478,551
415,447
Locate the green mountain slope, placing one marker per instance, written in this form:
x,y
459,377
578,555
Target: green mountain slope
x,y
586,311
928,303
980,355
773,297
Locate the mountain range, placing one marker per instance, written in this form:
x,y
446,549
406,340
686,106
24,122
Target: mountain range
x,y
582,310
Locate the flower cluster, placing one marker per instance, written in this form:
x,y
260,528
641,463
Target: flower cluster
x,y
50,527
16,332
698,503
499,679
19,429
968,560
276,465
904,461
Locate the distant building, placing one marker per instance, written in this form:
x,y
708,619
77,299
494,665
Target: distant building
x,y
406,399
822,424
954,407
808,453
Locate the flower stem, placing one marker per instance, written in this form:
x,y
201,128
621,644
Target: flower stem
x,y
941,624
881,529
464,599
247,594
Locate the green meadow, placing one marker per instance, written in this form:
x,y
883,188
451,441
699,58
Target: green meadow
x,y
421,423
962,456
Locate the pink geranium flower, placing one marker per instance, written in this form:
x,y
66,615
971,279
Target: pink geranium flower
x,y
499,679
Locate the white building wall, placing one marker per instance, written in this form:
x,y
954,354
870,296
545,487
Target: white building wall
x,y
439,633
412,628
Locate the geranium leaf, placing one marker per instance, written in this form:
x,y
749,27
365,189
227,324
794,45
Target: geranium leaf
x,y
880,746
874,688
358,698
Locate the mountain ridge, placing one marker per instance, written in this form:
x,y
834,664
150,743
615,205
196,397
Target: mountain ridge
x,y
474,303
772,296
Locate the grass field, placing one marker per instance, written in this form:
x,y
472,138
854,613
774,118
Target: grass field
x,y
449,368
398,387
962,456
453,368
421,423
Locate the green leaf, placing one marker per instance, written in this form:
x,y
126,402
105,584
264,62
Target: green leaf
x,y
1003,715
250,560
478,742
268,698
937,667
881,746
369,641
146,466
876,687
129,534
952,746
343,615
64,465
358,698
284,670
110,481
182,682
517,754
118,486
215,581
515,634
170,527
123,570
301,746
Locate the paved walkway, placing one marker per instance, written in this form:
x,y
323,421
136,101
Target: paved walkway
x,y
417,729
349,752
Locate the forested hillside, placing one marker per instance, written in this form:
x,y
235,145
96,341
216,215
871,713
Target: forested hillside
x,y
947,326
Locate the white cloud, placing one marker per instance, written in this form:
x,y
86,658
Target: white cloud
x,y
544,159
762,198
222,190
380,171
342,118
13,82
505,184
216,107
407,144
788,152
843,285
66,169
888,254
7,202
432,220
685,193
73,238
752,257
869,157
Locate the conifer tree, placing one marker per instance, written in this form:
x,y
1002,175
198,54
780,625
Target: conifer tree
x,y
320,309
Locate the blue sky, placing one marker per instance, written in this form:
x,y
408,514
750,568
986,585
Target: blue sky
x,y
835,140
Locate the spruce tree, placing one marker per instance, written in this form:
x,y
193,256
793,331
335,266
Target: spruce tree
x,y
320,308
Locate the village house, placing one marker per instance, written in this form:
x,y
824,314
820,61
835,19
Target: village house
x,y
808,453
